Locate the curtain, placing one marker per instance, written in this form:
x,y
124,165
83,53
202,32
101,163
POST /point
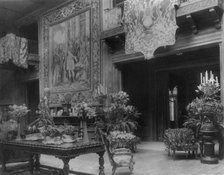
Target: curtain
x,y
149,24
15,49
161,103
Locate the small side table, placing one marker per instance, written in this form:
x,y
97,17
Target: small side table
x,y
207,146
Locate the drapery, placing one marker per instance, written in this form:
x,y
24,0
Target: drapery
x,y
14,48
149,24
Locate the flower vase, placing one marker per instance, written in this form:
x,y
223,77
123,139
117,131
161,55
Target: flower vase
x,y
85,132
18,137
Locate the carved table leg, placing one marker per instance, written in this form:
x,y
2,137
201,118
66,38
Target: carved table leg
x,y
101,162
66,166
37,162
31,162
3,159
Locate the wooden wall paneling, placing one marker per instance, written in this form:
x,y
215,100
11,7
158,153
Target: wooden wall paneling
x,y
106,66
116,78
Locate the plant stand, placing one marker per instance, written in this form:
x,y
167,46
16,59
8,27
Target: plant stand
x,y
207,147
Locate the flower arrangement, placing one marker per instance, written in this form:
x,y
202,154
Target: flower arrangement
x,y
84,110
17,111
207,108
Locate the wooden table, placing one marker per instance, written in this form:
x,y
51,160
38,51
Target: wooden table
x,y
65,152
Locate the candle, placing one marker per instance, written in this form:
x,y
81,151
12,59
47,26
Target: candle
x,y
98,89
201,77
171,106
206,76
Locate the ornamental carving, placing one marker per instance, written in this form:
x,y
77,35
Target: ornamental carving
x,y
70,49
197,6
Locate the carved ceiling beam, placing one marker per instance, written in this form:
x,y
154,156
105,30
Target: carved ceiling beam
x,y
216,18
192,23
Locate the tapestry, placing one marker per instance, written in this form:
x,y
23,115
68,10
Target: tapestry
x,y
69,49
149,24
14,48
70,52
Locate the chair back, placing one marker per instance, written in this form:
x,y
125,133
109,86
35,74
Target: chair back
x,y
106,145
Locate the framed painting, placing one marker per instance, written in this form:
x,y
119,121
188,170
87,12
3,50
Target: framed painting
x,y
70,53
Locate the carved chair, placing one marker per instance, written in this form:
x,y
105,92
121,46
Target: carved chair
x,y
121,157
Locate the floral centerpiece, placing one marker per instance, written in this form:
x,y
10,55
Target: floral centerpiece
x,y
206,110
17,112
84,111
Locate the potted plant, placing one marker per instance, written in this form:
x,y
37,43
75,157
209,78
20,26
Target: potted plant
x,y
206,110
205,114
119,115
120,118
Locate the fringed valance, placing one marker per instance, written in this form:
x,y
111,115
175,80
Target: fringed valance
x,y
149,24
14,48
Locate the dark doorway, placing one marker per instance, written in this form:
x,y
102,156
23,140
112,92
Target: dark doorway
x,y
32,99
135,81
148,84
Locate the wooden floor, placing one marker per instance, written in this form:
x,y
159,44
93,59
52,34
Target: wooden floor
x,y
151,159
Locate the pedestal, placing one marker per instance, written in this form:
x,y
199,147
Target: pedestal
x,y
208,150
18,132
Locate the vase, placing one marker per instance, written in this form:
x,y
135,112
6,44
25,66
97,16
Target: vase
x,y
18,137
85,132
